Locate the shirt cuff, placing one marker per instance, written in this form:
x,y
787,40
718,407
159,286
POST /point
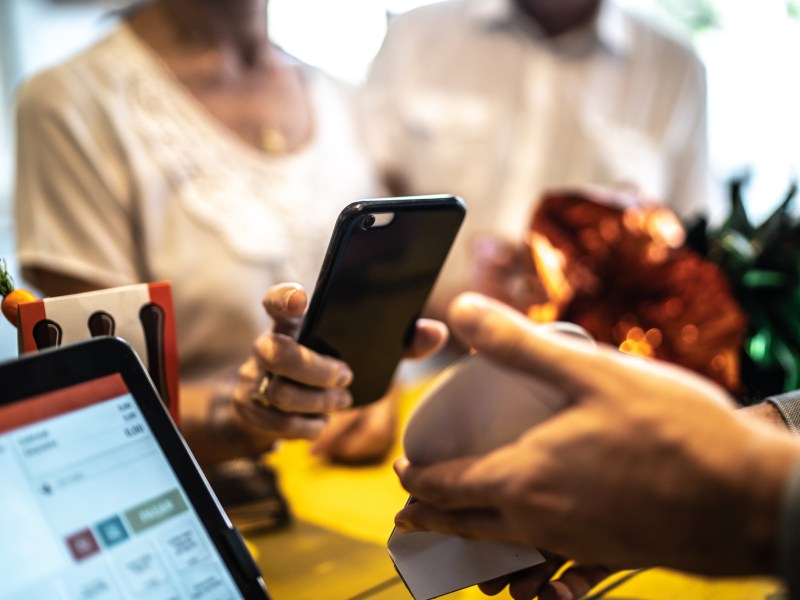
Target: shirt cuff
x,y
788,405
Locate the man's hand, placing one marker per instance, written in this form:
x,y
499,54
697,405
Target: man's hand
x,y
505,271
537,582
648,465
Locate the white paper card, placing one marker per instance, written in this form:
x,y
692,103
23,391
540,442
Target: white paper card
x,y
432,564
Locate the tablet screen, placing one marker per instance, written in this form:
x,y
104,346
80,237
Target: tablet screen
x,y
91,509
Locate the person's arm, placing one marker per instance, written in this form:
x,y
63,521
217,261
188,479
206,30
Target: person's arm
x,y
75,227
648,465
51,283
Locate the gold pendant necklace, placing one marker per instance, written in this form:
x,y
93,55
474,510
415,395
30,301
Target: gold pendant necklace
x,y
272,140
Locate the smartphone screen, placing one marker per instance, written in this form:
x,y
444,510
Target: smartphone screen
x,y
382,262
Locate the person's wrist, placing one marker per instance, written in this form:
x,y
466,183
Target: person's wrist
x,y
765,412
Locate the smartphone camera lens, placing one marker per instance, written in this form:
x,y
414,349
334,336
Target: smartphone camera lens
x,y
368,222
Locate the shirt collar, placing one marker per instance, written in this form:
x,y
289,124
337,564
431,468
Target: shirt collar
x,y
609,27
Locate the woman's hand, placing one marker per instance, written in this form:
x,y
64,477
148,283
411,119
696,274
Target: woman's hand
x,y
359,435
285,390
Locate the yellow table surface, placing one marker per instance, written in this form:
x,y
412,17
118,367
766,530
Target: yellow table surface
x,y
336,546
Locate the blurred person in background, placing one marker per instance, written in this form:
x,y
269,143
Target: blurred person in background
x,y
187,147
499,100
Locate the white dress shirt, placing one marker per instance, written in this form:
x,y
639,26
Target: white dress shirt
x,y
467,97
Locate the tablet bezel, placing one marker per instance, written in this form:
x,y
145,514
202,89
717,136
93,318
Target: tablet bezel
x,y
58,368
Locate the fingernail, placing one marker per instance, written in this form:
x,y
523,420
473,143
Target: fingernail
x,y
287,298
474,301
345,377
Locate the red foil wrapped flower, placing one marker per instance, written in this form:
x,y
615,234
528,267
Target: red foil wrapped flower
x,y
617,265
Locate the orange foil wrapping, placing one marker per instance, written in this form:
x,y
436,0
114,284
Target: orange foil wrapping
x,y
617,265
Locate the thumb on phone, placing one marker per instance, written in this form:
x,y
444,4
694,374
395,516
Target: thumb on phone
x,y
286,303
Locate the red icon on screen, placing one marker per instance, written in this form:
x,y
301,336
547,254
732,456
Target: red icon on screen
x,y
82,545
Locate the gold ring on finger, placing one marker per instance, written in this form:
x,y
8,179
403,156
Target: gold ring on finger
x,y
261,396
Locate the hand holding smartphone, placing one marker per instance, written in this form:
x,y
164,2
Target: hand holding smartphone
x,y
382,261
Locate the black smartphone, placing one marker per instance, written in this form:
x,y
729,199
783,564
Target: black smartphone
x,y
382,261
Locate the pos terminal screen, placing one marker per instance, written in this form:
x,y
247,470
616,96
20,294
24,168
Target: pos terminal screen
x,y
90,508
